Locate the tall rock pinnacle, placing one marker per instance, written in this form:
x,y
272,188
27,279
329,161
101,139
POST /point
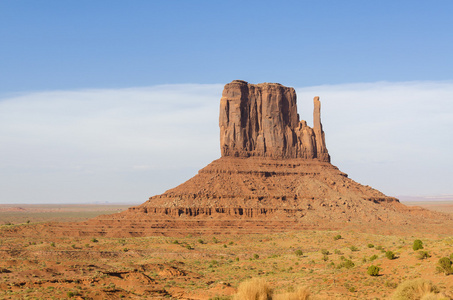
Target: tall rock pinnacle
x,y
262,120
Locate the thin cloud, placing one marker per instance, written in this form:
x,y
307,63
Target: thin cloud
x,y
124,145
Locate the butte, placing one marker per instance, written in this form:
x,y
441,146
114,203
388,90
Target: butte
x,y
274,175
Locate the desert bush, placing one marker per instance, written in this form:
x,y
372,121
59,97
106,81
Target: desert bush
x,y
298,252
52,244
373,270
390,255
94,240
370,246
379,248
325,252
354,248
301,293
373,257
256,256
200,241
325,258
444,266
417,289
346,264
253,289
337,237
423,254
418,244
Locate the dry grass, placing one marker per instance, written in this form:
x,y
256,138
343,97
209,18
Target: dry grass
x,y
301,293
417,289
258,289
253,289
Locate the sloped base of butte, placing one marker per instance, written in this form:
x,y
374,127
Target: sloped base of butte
x,y
274,175
262,195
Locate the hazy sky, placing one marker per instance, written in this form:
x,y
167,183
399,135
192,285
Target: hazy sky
x,y
118,101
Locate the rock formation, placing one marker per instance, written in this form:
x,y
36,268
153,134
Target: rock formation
x,y
262,120
274,175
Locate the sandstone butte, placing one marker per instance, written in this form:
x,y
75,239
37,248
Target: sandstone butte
x,y
274,175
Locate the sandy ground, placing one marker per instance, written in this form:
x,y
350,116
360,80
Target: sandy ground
x,y
331,264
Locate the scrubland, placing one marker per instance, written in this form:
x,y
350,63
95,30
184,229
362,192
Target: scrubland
x,y
291,265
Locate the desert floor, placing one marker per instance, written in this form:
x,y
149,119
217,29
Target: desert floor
x,y
207,267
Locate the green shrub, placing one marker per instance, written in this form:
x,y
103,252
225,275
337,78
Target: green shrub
x,y
298,252
325,252
373,257
423,254
200,241
348,264
444,266
373,270
390,255
52,244
379,248
418,244
337,252
354,248
337,237
370,246
256,256
325,258
94,240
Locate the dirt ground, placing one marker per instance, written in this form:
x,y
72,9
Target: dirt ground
x,y
332,264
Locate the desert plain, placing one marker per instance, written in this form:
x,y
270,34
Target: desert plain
x,y
330,264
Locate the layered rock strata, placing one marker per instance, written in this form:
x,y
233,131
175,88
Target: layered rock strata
x,y
262,120
274,175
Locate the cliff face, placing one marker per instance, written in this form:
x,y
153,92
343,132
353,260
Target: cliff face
x,y
274,175
262,120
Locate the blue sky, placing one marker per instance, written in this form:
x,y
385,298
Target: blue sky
x,y
117,101
110,44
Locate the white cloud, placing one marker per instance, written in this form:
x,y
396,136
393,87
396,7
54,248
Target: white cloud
x,y
129,144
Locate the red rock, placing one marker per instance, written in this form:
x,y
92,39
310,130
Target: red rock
x,y
262,120
274,175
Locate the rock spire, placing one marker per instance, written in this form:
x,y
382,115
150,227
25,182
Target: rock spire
x,y
262,120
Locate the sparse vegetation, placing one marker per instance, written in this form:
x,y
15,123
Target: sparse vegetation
x,y
423,254
285,260
258,289
390,255
373,270
337,237
417,289
418,244
444,266
253,289
348,264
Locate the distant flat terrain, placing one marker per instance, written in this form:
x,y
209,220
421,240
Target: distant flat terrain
x,y
22,213
441,206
